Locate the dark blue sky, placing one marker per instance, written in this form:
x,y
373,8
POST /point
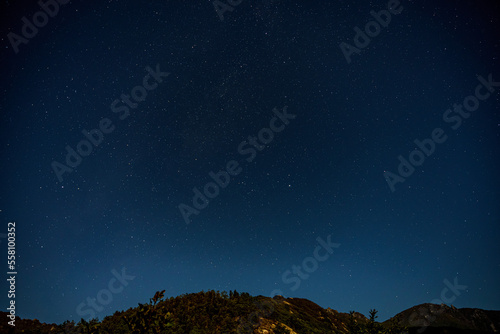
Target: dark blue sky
x,y
320,175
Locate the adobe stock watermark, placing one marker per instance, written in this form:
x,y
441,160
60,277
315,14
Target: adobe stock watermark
x,y
221,179
91,306
95,137
372,29
295,276
309,265
425,316
222,7
426,147
29,29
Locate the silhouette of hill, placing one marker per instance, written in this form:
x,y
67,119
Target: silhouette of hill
x,y
433,318
219,312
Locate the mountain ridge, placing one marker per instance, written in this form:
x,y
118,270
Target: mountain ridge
x,y
220,312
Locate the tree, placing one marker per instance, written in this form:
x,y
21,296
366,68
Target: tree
x,y
89,327
68,327
148,318
373,327
353,326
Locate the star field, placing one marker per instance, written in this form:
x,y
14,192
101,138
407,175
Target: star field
x,y
321,176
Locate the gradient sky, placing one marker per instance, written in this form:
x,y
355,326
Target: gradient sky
x,y
322,175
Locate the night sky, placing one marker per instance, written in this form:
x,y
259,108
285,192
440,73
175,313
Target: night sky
x,y
284,120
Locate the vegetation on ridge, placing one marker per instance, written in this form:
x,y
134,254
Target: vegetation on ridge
x,y
220,312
